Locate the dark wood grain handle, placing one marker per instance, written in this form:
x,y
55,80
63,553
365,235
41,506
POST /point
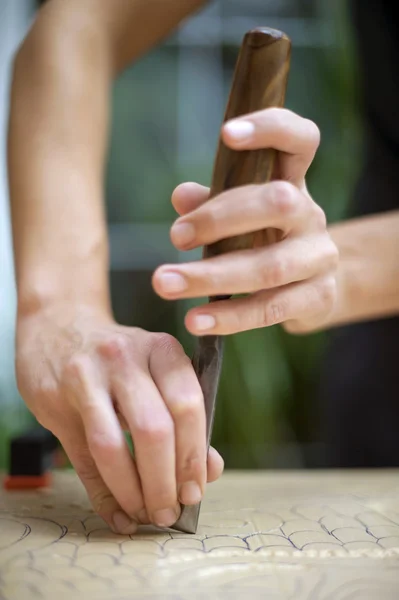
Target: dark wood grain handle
x,y
260,81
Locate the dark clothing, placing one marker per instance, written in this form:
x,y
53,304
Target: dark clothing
x,y
359,392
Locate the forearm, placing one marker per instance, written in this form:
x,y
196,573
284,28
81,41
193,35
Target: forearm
x,y
368,273
58,138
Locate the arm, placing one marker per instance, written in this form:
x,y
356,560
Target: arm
x,y
368,271
77,370
57,140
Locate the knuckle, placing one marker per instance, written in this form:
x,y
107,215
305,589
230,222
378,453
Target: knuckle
x,y
238,320
212,278
75,367
168,344
158,434
104,445
192,467
311,295
169,349
319,217
328,291
116,348
278,116
189,407
283,197
295,327
214,213
313,134
332,254
274,274
155,432
272,313
273,112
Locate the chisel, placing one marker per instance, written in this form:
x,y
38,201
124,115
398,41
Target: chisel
x,y
259,82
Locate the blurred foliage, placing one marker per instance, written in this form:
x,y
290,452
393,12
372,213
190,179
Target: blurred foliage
x,y
142,169
266,414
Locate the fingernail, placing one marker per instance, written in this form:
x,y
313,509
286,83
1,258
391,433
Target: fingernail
x,y
165,518
204,322
143,517
123,524
172,282
240,130
183,233
190,493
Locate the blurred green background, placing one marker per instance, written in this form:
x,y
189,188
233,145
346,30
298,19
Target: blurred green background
x,y
167,111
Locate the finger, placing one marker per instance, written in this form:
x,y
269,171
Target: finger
x,y
215,465
152,431
277,205
307,302
73,440
281,129
105,438
189,196
291,260
177,382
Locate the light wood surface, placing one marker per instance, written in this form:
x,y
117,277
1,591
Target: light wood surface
x,y
308,536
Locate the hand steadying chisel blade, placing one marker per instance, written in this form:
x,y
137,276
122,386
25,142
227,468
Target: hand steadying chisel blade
x,y
259,82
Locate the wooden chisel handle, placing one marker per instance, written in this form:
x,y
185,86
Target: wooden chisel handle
x,y
260,81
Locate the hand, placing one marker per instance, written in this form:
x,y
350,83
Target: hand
x,y
291,281
84,377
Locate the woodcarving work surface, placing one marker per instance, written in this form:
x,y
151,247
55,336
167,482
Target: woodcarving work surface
x,y
302,536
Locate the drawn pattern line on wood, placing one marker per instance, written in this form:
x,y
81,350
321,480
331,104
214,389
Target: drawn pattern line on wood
x,y
308,536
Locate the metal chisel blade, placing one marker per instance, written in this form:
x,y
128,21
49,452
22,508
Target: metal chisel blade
x,y
207,363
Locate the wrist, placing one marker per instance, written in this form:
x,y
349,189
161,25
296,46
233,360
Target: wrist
x,y
368,271
44,294
59,318
63,270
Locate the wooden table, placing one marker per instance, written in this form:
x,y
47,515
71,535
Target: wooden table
x,y
303,535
